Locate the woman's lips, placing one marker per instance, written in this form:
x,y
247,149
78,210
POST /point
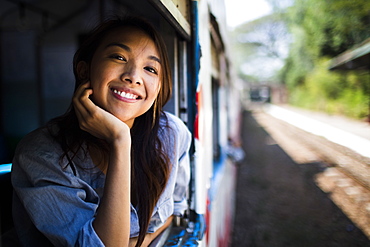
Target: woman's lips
x,y
125,94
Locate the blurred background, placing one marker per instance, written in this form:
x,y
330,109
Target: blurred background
x,y
310,53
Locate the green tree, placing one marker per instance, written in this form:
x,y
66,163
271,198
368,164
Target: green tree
x,y
320,31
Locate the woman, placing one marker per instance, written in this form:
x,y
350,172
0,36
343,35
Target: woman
x,y
115,167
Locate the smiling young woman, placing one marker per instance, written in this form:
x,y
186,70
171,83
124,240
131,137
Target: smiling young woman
x,y
114,169
125,73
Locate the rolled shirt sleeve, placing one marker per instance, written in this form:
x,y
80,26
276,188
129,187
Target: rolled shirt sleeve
x,y
182,178
180,164
173,201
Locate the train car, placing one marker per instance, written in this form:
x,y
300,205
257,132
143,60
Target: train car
x,y
37,41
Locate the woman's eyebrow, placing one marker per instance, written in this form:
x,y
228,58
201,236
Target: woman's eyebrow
x,y
123,46
155,59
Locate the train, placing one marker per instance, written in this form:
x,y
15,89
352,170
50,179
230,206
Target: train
x,y
37,42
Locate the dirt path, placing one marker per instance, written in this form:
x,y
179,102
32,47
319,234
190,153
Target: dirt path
x,y
278,202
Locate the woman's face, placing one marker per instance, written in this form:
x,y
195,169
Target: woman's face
x,y
125,73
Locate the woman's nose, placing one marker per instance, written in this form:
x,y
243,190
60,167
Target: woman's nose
x,y
131,74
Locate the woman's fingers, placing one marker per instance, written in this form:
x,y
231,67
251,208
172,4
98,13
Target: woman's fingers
x,y
81,97
94,119
84,107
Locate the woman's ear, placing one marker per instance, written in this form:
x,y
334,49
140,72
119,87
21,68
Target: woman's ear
x,y
82,71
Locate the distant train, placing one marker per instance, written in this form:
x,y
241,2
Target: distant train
x,y
38,40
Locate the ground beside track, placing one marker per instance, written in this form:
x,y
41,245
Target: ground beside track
x,y
288,193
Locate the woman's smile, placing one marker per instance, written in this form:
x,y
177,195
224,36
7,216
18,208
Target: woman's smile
x,y
125,95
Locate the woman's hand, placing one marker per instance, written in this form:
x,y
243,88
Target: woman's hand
x,y
96,120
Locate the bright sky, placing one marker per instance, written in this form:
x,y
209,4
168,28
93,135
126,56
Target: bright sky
x,y
241,11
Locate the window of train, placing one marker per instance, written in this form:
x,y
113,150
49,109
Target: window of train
x,y
183,79
216,122
178,104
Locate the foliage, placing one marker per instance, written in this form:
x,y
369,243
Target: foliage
x,y
333,92
331,26
322,30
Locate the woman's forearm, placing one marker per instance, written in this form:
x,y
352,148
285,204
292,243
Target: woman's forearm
x,y
112,222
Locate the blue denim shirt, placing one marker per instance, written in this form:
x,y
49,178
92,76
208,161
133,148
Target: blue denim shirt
x,y
55,205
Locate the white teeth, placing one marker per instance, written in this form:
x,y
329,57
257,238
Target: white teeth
x,y
125,95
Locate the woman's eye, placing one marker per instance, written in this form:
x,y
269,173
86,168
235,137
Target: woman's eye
x,y
119,57
151,70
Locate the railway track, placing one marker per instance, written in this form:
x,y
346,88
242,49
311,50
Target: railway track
x,y
345,175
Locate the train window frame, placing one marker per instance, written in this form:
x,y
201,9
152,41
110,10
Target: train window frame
x,y
178,55
177,14
216,120
183,80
